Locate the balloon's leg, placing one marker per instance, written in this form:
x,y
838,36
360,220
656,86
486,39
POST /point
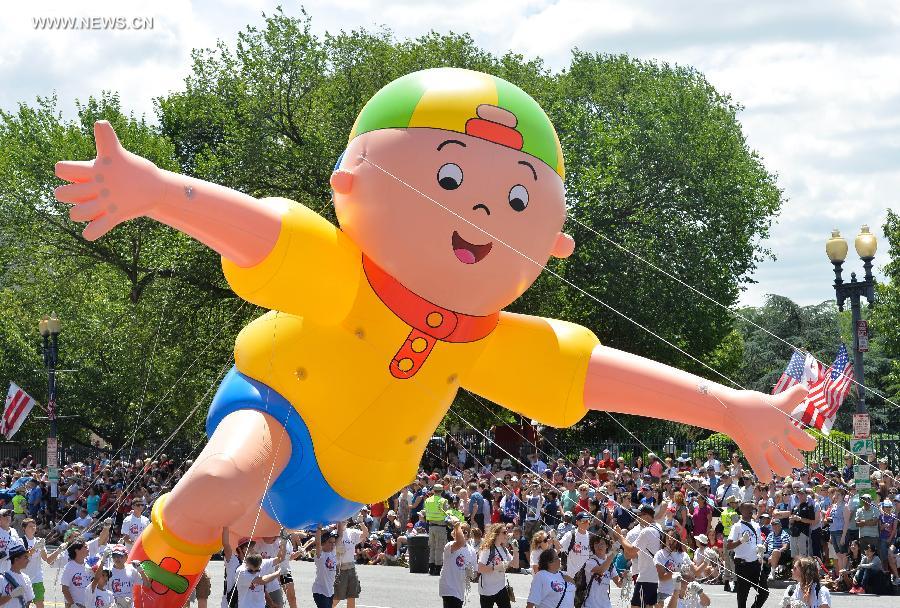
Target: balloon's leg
x,y
246,452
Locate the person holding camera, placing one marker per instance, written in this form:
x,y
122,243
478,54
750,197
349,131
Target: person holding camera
x,y
459,561
744,538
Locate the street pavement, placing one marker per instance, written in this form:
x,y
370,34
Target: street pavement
x,y
394,587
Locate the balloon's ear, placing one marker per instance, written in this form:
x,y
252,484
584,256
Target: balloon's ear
x,y
562,248
342,181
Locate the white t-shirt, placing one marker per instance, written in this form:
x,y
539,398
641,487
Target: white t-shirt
x,y
647,543
249,595
671,562
34,570
746,551
93,547
599,593
101,598
579,552
454,574
22,580
631,537
268,551
231,567
122,580
7,538
493,582
548,588
534,556
83,522
326,569
286,563
346,546
133,526
77,577
816,599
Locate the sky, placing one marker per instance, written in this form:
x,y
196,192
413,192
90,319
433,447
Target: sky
x,y
818,81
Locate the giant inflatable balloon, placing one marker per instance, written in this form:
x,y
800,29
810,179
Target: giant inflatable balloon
x,y
450,199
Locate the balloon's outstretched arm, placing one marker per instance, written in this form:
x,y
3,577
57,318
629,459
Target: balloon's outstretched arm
x,y
629,384
118,186
241,228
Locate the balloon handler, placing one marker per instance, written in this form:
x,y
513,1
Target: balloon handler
x,y
450,200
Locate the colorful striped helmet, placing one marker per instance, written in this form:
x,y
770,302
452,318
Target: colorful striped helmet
x,y
464,101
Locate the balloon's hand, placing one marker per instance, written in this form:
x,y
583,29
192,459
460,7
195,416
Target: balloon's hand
x,y
114,187
762,427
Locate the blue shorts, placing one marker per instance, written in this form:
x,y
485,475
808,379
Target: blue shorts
x,y
300,497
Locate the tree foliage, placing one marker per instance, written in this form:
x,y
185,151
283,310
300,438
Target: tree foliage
x,y
656,162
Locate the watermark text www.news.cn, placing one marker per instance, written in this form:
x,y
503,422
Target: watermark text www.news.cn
x,y
93,23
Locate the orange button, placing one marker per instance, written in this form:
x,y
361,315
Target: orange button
x,y
434,319
419,344
405,364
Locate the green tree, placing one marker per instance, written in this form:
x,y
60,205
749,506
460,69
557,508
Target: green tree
x,y
656,161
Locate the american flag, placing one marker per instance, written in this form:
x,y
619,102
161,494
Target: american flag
x,y
801,368
18,406
826,395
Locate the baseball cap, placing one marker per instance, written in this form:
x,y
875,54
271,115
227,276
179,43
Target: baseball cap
x,y
582,516
119,550
646,508
15,550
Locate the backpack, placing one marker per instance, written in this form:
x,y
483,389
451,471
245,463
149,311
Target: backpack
x,y
476,578
583,585
792,588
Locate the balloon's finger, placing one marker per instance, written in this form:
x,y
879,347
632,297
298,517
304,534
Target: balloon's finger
x,y
791,398
76,193
791,454
105,138
777,461
801,439
100,226
757,459
85,212
75,170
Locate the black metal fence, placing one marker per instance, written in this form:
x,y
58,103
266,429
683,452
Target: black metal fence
x,y
15,452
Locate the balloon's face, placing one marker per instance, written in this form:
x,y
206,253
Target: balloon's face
x,y
463,222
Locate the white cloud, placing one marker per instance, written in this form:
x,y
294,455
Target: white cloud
x,y
818,81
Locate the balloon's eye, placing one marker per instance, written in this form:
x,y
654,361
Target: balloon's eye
x,y
518,197
450,176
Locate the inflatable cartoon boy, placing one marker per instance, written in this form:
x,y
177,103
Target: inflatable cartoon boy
x,y
450,200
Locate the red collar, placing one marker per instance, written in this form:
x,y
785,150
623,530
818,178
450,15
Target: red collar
x,y
417,312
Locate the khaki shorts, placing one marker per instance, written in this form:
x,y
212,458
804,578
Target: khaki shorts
x,y
204,587
346,584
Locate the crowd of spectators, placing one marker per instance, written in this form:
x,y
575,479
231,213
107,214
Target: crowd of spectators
x,y
87,492
816,512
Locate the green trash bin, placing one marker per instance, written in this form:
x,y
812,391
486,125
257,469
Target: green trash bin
x,y
417,551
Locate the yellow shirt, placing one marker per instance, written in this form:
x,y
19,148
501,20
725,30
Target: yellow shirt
x,y
327,344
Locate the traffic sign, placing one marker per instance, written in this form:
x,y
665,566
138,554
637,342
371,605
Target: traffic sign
x,y
861,427
863,484
861,471
52,458
862,447
53,473
862,335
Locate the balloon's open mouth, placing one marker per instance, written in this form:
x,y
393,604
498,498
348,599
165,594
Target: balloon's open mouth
x,y
469,253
